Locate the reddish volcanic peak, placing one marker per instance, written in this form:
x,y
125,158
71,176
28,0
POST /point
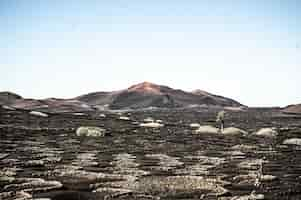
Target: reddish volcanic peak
x,y
146,87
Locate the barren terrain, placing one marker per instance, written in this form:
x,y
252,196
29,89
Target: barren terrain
x,y
42,157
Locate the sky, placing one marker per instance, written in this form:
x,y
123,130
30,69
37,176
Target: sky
x,y
248,50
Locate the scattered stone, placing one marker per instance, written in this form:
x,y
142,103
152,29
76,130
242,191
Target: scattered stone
x,y
168,186
251,164
126,164
34,185
268,178
194,125
52,159
195,170
231,108
244,147
236,154
285,129
8,107
78,114
292,141
3,155
125,160
41,199
267,132
152,125
207,129
124,118
12,161
12,195
203,166
113,191
233,131
90,131
149,120
9,171
6,179
26,180
34,163
252,196
75,178
85,160
102,115
37,113
250,179
165,162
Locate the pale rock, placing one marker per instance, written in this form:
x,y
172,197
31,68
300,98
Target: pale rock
x,y
39,114
102,115
90,131
207,129
124,118
266,132
149,119
151,125
194,125
234,131
293,141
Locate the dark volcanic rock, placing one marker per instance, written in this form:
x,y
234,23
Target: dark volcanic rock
x,y
44,157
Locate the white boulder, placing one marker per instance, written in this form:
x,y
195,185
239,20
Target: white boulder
x,y
90,131
124,118
268,178
266,132
249,197
194,125
207,129
225,131
79,114
8,107
37,113
152,125
294,141
234,131
102,115
149,119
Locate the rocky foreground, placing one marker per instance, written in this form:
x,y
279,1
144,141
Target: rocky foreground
x,y
162,154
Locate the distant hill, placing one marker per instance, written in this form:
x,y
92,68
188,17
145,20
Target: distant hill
x,y
8,98
147,94
143,95
52,105
292,109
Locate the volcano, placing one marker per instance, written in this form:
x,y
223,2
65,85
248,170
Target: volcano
x,y
148,94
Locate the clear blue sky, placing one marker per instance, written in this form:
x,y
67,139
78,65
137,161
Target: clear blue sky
x,y
249,50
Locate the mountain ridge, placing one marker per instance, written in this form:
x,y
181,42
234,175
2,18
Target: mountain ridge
x,y
147,94
137,96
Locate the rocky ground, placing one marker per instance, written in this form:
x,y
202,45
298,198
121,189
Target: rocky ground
x,y
41,157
